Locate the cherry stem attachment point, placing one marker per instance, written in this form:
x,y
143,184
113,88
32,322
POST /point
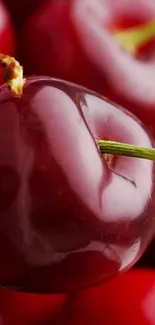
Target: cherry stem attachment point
x,y
13,74
124,149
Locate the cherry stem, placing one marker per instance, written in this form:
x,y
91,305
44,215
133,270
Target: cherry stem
x,y
124,149
131,39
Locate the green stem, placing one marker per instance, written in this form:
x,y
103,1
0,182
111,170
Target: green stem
x,y
134,37
124,149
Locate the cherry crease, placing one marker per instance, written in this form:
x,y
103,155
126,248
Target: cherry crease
x,y
69,221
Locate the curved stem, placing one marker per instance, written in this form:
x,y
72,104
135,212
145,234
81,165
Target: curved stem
x,y
124,149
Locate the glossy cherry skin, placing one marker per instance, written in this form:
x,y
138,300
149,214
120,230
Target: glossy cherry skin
x,y
69,220
96,61
7,37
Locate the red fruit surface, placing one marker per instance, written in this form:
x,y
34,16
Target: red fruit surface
x,y
7,38
127,300
73,40
29,309
68,219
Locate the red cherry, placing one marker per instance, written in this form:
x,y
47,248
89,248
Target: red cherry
x,y
128,299
69,220
52,48
73,40
7,40
17,308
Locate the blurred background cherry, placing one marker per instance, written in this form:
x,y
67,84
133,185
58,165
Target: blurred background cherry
x,y
128,299
21,10
25,309
82,41
7,35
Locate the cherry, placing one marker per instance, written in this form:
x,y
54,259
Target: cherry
x,y
72,217
29,309
7,38
73,40
128,299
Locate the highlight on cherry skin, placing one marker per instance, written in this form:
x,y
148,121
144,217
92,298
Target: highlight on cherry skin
x,y
69,217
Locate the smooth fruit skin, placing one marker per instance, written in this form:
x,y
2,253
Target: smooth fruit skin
x,y
29,309
7,36
126,300
68,220
73,40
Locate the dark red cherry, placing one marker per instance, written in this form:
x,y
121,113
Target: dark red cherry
x,y
68,218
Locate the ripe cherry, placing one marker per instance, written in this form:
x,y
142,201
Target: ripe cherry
x,y
77,43
128,299
70,218
29,309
